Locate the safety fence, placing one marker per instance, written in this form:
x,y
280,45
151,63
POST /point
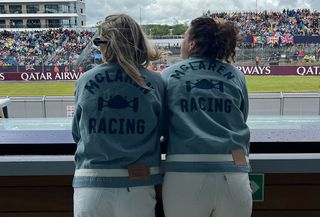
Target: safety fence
x,y
260,104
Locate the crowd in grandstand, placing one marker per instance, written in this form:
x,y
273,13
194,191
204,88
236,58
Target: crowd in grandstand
x,y
275,28
296,22
53,46
63,46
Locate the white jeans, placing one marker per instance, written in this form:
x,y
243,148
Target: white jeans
x,y
115,202
206,195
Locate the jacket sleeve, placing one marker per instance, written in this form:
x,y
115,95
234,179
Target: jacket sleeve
x,y
76,119
245,102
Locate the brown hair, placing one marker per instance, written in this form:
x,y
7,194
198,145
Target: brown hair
x,y
127,45
217,40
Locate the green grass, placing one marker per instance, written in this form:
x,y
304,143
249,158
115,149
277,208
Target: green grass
x,y
256,84
37,88
261,84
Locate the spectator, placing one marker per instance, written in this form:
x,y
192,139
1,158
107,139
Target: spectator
x,y
208,139
117,126
257,59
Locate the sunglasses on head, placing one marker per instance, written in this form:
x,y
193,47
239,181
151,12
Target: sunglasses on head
x,y
98,41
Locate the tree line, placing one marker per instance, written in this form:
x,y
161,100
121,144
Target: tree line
x,y
163,30
159,29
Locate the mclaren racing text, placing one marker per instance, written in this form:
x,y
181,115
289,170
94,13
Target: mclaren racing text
x,y
119,76
116,126
207,104
202,65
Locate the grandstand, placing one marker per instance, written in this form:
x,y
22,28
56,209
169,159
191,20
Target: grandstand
x,y
287,37
42,47
290,34
42,33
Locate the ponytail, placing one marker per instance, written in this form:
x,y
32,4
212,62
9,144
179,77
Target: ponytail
x,y
228,36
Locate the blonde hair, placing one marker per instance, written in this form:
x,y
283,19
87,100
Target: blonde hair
x,y
127,45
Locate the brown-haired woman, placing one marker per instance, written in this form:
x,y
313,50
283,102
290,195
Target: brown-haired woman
x,y
208,139
117,126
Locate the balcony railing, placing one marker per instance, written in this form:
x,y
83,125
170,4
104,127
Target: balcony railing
x,y
37,12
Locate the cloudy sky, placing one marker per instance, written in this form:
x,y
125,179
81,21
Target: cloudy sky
x,y
181,11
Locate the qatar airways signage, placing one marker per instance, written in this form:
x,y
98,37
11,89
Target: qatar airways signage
x,y
281,70
39,73
67,73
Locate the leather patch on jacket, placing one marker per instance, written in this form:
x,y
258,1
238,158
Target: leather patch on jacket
x,y
239,157
139,172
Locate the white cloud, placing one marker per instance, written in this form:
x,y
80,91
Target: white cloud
x,y
170,11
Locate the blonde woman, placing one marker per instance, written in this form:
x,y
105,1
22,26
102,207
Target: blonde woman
x,y
117,126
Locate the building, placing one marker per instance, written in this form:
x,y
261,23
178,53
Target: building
x,y
42,13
